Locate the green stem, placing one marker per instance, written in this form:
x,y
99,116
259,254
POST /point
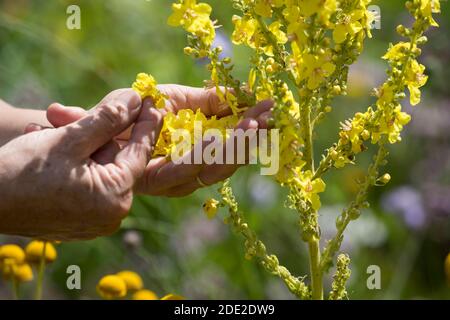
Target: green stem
x,y
313,243
316,272
354,209
40,280
15,288
308,152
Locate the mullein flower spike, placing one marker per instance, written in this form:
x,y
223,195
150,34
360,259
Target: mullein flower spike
x,y
312,44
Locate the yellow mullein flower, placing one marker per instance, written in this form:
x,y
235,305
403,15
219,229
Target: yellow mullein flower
x,y
112,287
194,18
144,295
309,188
428,7
264,7
244,30
35,249
210,208
352,131
397,52
171,296
297,25
385,95
132,280
146,86
323,8
392,125
280,36
415,79
316,68
349,25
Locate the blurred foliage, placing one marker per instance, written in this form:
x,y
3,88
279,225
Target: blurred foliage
x,y
169,241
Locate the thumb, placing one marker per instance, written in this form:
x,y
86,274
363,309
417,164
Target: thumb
x,y
59,115
109,118
136,155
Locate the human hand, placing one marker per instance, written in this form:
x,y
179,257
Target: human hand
x,y
55,183
163,177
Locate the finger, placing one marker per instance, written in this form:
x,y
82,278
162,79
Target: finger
x,y
107,153
108,119
136,155
213,173
59,115
263,120
182,97
32,127
183,190
173,175
146,184
260,108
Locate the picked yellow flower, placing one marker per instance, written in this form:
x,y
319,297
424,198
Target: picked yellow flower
x,y
112,287
146,86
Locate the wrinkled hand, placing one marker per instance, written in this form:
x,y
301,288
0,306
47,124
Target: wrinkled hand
x,y
55,183
161,176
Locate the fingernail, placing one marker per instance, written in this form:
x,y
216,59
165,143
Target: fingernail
x,y
55,105
148,103
130,98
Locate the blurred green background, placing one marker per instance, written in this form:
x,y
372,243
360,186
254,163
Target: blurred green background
x,y
169,241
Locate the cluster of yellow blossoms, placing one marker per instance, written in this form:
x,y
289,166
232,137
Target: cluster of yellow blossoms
x,y
302,51
194,18
185,119
16,264
118,286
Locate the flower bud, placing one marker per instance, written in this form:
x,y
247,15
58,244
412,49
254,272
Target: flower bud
x,y
384,179
188,50
365,134
337,90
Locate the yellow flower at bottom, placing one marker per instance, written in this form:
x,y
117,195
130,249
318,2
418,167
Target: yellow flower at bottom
x,y
171,296
210,208
35,249
112,287
145,295
23,273
447,268
132,280
10,255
